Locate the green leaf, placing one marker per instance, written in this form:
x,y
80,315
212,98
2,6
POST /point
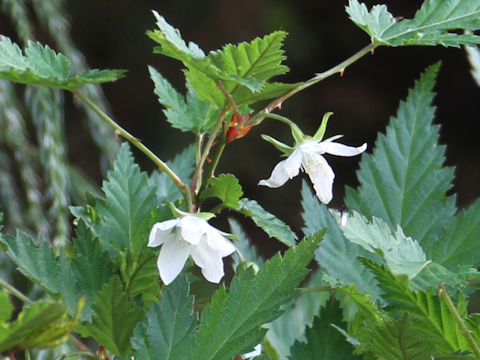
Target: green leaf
x,y
114,318
6,307
459,244
171,42
244,70
225,187
437,22
246,252
402,254
36,261
404,181
42,66
91,267
230,324
266,221
430,315
126,209
323,341
398,339
39,325
141,276
172,323
191,115
336,255
290,326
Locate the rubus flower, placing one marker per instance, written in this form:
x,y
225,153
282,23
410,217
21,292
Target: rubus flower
x,y
189,235
307,155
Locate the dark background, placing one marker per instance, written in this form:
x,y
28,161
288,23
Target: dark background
x,y
112,35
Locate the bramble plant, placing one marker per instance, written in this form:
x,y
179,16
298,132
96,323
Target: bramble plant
x,y
395,271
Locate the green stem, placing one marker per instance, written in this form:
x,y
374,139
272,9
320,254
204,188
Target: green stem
x,y
458,319
196,179
12,290
255,120
137,143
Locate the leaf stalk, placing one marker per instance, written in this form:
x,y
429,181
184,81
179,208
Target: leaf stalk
x,y
162,166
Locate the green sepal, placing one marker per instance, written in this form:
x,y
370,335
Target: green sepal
x,y
323,127
284,148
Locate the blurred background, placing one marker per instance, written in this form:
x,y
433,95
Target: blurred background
x,y
111,34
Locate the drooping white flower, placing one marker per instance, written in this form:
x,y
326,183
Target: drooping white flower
x,y
308,156
186,236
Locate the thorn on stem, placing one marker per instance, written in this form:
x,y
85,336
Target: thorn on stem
x,y
372,51
342,71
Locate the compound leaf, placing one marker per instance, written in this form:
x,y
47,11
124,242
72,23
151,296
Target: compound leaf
x,y
404,181
230,324
436,23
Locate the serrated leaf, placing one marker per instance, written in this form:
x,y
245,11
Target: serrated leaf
x,y
225,187
323,341
191,115
142,277
434,23
40,324
230,324
183,164
336,255
459,245
398,339
115,317
404,181
402,254
430,315
290,326
43,66
244,70
36,261
266,221
91,267
126,208
172,323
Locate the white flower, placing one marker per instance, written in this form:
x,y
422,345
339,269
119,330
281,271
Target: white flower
x,y
308,156
185,236
257,351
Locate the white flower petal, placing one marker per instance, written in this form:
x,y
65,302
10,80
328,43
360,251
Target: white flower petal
x,y
284,170
192,228
160,232
171,259
209,260
321,175
338,149
218,242
257,351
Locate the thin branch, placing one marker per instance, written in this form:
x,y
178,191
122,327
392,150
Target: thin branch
x,y
255,120
12,290
138,144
